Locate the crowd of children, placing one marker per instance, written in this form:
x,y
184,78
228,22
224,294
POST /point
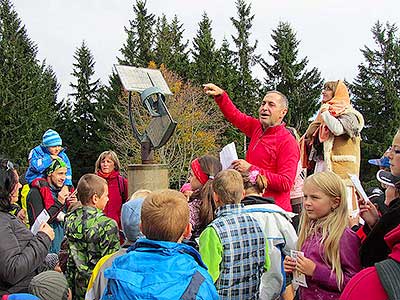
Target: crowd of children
x,y
220,237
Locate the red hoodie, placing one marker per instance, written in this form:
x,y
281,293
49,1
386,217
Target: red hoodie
x,y
274,152
366,284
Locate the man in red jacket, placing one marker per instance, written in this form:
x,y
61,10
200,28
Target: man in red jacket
x,y
272,151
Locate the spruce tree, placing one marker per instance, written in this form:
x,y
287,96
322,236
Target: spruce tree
x,y
205,56
246,92
288,74
84,145
28,89
138,50
227,75
163,42
376,94
180,57
170,50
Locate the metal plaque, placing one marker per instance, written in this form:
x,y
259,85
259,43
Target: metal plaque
x,y
139,79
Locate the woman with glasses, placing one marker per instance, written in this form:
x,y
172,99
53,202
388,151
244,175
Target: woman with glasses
x,y
21,252
374,249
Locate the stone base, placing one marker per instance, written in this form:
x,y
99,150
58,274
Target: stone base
x,y
150,177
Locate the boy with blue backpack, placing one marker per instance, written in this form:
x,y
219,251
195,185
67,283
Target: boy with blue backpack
x,y
160,266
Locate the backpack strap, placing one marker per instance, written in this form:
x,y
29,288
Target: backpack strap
x,y
193,287
389,275
121,183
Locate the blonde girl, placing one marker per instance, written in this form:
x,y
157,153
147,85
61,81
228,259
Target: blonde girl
x,y
330,247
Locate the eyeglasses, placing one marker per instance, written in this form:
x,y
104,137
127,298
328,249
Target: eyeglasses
x,y
395,149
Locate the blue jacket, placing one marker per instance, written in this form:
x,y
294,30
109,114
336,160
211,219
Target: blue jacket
x,y
40,160
159,270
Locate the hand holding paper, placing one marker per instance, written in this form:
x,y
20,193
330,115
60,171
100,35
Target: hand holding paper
x,y
228,155
43,217
299,277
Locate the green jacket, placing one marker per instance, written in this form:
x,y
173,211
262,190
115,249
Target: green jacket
x,y
91,235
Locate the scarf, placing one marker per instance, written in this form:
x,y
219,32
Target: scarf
x,y
336,106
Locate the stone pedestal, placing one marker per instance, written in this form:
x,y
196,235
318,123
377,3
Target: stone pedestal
x,y
147,176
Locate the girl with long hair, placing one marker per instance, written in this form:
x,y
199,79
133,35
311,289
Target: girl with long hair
x,y
330,247
201,202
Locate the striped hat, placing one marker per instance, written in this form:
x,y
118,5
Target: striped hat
x,y
51,138
49,285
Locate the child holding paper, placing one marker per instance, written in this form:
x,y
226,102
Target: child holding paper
x,y
330,247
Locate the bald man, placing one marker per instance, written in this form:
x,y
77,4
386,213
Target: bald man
x,y
272,151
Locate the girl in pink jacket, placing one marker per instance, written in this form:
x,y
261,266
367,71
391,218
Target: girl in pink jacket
x,y
330,247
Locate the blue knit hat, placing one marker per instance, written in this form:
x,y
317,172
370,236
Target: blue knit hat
x,y
51,138
20,296
130,219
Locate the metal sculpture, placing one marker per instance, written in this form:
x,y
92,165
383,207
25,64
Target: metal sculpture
x,y
152,88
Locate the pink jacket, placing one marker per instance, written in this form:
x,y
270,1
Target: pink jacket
x,y
297,189
274,152
322,285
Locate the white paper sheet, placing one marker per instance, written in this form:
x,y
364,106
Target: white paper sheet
x,y
228,155
358,186
43,217
298,277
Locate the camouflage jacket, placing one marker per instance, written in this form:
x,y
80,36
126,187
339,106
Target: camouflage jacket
x,y
90,235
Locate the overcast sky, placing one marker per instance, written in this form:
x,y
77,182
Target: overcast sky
x,y
331,32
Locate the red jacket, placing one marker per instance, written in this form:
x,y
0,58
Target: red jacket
x,y
366,285
274,152
116,189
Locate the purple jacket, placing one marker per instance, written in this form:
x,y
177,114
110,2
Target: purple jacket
x,y
322,285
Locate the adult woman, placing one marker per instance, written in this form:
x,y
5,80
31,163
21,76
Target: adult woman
x,y
107,167
374,249
332,141
21,251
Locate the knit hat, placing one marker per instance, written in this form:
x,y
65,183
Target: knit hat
x,y
130,219
56,164
51,261
49,285
51,138
20,296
